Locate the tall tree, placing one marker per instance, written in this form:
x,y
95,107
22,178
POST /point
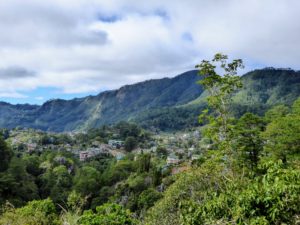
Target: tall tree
x,y
144,163
220,88
5,155
87,181
248,139
62,185
130,143
23,188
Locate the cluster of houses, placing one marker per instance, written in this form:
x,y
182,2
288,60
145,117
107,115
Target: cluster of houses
x,y
114,147
180,148
103,149
92,152
28,146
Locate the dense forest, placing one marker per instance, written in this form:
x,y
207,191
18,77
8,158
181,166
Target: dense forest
x,y
247,172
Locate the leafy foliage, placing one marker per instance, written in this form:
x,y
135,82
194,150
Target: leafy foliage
x,y
272,198
216,192
107,214
283,134
248,141
130,143
5,155
220,88
40,212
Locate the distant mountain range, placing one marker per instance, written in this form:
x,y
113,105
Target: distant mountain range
x,y
167,104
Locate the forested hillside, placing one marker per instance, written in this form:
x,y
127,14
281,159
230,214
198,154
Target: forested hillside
x,y
106,108
164,104
232,170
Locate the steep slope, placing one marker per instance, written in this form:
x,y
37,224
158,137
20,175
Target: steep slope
x,y
105,108
266,88
168,103
16,115
261,90
269,87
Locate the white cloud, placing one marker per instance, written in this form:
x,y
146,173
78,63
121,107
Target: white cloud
x,y
12,95
39,98
81,46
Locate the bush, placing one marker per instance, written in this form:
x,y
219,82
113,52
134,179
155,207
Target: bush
x,y
148,197
272,198
37,212
107,214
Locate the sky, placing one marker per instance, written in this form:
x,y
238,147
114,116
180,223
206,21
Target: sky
x,y
73,48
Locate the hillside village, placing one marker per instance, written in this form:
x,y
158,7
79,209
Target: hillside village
x,y
175,148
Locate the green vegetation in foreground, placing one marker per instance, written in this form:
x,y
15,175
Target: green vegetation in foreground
x,y
250,175
247,172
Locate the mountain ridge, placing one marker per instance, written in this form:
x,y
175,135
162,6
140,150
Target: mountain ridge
x,y
152,100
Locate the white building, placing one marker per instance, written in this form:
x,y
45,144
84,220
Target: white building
x,y
172,159
83,155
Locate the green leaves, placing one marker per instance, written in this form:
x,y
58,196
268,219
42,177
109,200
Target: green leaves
x,y
282,135
220,88
108,214
87,181
5,155
248,141
272,198
130,143
37,212
148,197
218,192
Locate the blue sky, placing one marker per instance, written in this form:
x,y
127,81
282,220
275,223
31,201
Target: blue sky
x,y
66,49
40,95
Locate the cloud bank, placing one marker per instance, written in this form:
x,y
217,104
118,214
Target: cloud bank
x,y
83,46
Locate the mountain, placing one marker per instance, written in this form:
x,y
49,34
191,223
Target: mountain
x,y
106,108
168,103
